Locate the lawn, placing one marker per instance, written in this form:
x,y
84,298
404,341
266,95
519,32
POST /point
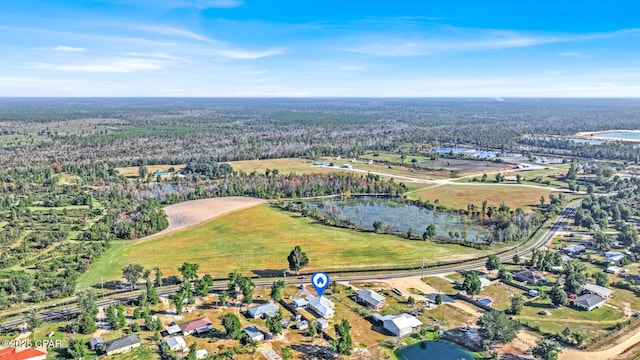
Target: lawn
x,y
258,241
606,314
459,196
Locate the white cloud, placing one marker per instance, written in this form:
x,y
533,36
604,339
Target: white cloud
x,y
573,54
171,31
107,66
68,48
453,39
240,54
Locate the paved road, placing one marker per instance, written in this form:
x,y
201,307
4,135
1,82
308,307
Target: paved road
x,y
69,310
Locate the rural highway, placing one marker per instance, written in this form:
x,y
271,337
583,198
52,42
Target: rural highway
x,y
67,310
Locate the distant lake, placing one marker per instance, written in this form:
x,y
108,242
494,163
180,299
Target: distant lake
x,y
435,350
619,134
481,154
364,210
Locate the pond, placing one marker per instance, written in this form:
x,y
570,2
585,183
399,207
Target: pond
x,y
434,349
364,210
481,154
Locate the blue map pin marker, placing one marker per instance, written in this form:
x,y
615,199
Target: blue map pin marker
x,y
320,281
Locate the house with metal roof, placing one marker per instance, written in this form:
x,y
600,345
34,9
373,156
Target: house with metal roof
x,y
614,257
122,345
598,290
589,301
254,333
370,298
300,303
173,329
199,326
399,325
176,343
573,249
321,306
95,343
323,323
263,310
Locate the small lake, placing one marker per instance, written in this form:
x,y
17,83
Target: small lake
x,y
481,154
628,135
364,210
434,349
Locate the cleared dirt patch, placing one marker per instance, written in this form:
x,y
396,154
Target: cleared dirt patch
x,y
192,213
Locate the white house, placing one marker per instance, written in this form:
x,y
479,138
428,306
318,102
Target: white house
x,y
302,325
370,298
321,306
176,343
484,282
300,303
263,310
614,257
173,329
598,290
199,326
400,325
574,249
613,270
254,333
589,301
323,323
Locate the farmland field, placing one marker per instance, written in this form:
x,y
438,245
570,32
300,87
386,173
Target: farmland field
x,y
262,237
458,196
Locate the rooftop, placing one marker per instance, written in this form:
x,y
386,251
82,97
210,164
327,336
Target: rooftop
x,y
121,343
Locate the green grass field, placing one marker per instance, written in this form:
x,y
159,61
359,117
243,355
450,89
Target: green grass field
x,y
260,238
458,196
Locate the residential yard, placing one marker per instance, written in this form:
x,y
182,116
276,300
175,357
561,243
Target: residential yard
x,y
263,236
501,294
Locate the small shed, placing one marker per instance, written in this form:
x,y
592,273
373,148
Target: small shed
x,y
300,303
95,343
613,269
323,323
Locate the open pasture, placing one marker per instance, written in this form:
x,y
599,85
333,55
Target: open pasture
x,y
458,196
256,241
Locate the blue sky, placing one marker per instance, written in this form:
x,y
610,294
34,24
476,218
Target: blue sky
x,y
427,48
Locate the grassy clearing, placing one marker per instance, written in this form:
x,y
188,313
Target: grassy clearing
x,y
260,238
458,196
606,314
304,166
132,171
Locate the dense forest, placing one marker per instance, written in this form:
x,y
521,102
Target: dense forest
x,y
86,135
